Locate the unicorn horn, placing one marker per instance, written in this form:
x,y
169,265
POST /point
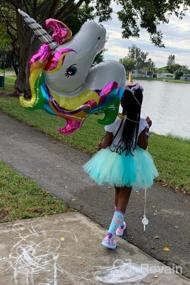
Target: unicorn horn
x,y
41,33
130,79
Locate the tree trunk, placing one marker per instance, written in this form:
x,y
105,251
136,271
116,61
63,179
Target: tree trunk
x,y
14,59
20,83
24,43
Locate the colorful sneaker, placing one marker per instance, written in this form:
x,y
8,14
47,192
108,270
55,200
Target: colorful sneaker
x,y
121,229
109,241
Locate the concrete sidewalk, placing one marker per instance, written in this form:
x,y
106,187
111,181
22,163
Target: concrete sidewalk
x,y
57,167
65,250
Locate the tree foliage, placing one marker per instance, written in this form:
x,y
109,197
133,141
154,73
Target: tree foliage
x,y
138,56
128,63
181,71
8,36
137,60
7,26
171,60
175,68
137,14
133,14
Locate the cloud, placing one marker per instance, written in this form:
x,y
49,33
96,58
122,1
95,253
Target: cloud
x,y
117,51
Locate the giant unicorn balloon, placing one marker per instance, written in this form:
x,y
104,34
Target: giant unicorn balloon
x,y
62,79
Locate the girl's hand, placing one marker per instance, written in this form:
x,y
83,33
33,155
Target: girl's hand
x,y
149,121
143,139
106,141
99,146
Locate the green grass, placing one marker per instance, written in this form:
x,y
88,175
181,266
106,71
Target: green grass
x,y
86,139
9,84
21,198
172,155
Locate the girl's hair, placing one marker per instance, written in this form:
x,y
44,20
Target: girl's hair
x,y
131,103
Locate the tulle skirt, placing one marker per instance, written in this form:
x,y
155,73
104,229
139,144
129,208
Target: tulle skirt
x,y
135,170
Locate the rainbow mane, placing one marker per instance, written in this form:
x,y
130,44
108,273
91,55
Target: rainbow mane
x,y
48,59
106,100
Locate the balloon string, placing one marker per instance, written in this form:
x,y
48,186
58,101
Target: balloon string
x,y
145,220
145,199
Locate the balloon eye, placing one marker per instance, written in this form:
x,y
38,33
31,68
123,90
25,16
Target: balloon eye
x,y
71,70
99,38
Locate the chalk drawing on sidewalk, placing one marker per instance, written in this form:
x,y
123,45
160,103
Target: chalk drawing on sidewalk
x,y
31,260
39,257
123,271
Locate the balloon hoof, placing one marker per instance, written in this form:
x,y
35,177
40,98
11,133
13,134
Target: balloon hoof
x,y
64,131
70,128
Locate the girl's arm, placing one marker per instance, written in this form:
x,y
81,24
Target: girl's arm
x,y
106,141
143,138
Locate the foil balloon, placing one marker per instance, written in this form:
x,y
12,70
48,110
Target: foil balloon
x,y
63,81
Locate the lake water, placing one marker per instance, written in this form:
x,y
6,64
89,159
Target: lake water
x,y
168,105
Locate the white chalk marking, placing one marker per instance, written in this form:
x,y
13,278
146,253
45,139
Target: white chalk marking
x,y
122,272
30,260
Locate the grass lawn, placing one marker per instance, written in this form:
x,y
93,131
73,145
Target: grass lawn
x,y
21,198
9,83
172,155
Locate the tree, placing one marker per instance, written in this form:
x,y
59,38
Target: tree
x,y
149,66
183,69
178,74
171,60
133,15
8,35
99,57
138,56
137,60
128,63
172,68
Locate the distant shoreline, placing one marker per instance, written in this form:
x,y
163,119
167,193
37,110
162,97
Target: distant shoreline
x,y
164,80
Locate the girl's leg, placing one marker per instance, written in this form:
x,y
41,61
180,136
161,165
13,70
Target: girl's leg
x,y
117,189
121,200
122,195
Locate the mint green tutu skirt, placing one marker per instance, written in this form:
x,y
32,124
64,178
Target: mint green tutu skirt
x,y
110,168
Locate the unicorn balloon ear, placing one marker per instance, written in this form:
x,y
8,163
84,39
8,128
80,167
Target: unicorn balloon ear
x,y
61,33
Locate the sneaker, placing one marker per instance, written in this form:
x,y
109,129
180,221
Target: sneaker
x,y
121,229
109,241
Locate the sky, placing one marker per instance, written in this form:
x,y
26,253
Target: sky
x,y
176,37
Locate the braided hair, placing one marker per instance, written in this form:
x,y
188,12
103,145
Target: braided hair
x,y
131,103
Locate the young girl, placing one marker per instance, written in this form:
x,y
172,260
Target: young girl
x,y
123,160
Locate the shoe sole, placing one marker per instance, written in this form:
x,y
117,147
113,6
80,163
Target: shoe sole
x,y
108,246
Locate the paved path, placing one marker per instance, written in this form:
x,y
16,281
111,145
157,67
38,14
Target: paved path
x,y
57,167
69,253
